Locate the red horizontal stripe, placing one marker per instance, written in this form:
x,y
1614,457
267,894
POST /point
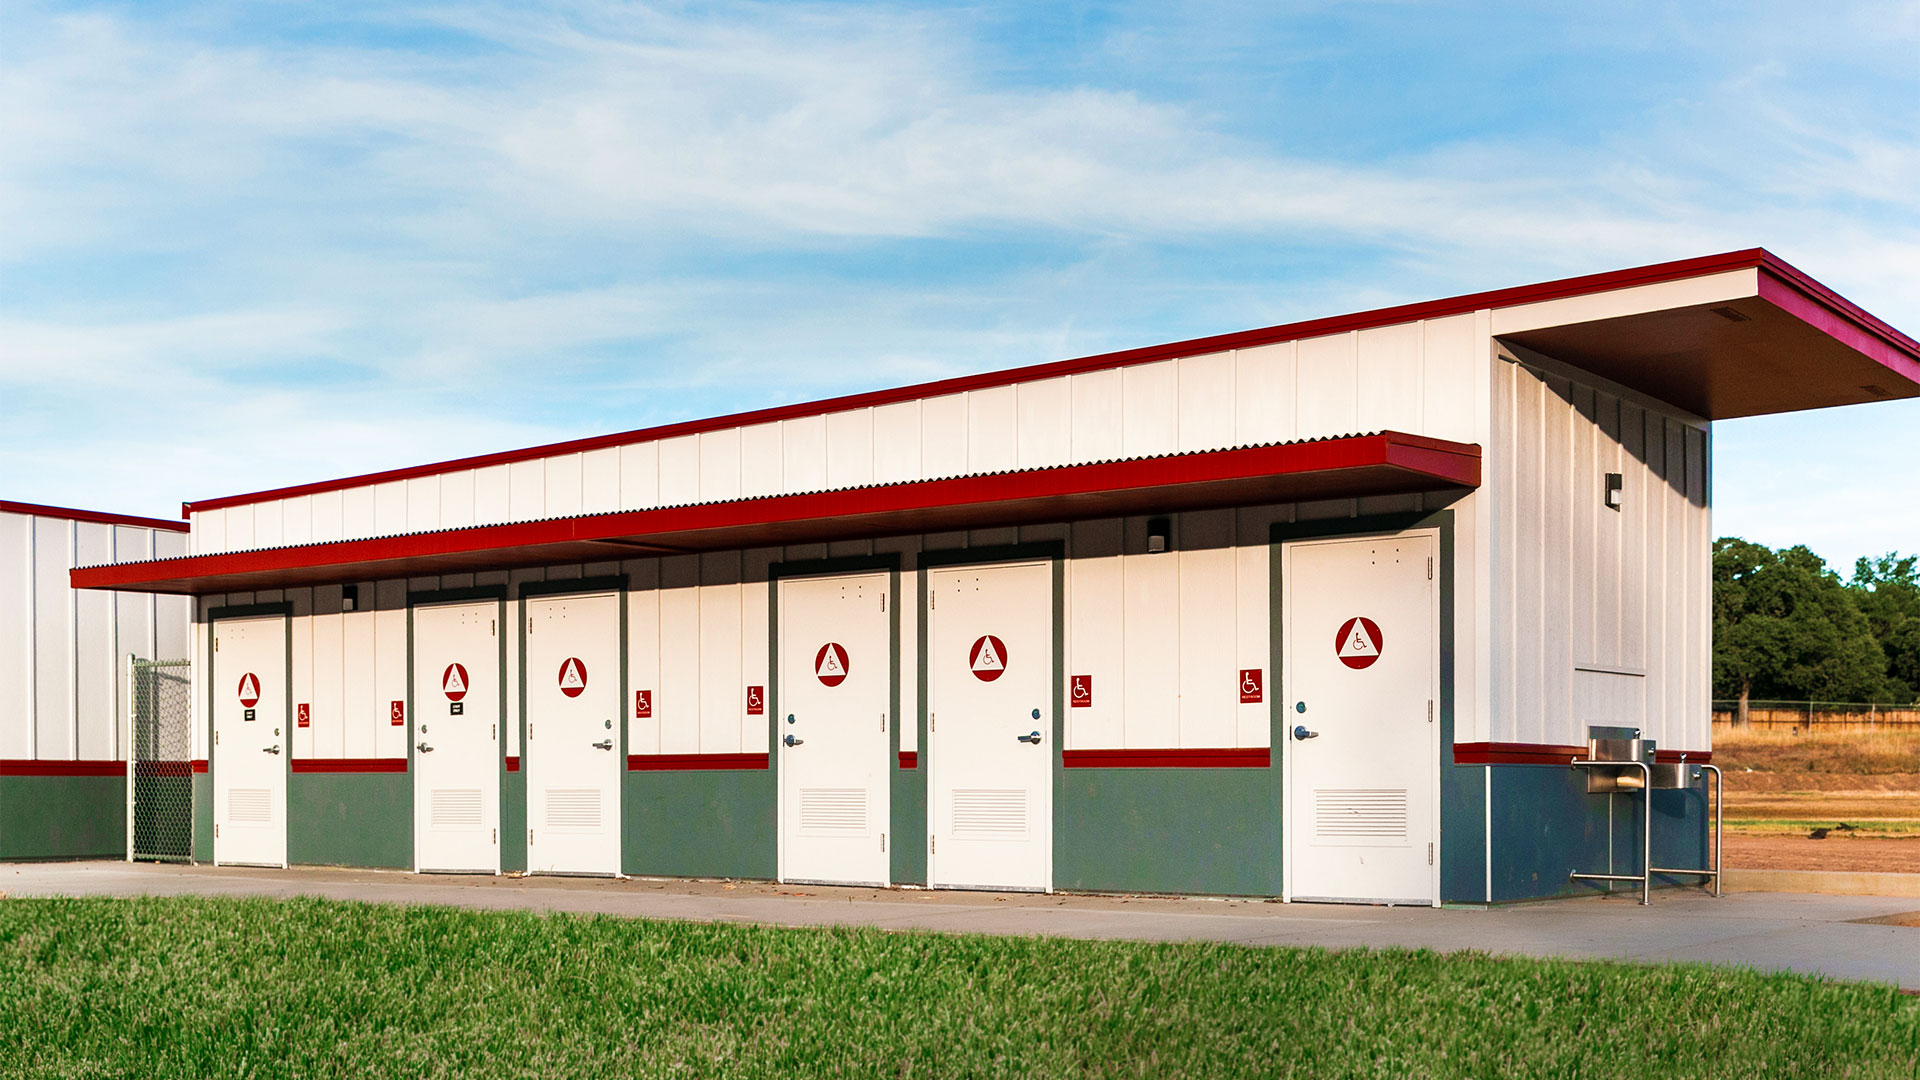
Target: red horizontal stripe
x,y
1388,461
685,762
30,767
1506,753
350,765
513,763
1250,757
95,516
1387,316
909,759
164,768
199,765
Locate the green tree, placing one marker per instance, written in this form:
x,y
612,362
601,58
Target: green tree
x,y
1785,626
1888,592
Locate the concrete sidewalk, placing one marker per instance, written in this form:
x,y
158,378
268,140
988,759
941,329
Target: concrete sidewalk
x,y
1814,934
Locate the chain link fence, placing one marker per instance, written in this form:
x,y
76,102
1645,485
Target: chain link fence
x,y
161,801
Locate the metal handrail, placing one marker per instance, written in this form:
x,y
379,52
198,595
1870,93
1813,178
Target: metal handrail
x,y
1719,845
1645,876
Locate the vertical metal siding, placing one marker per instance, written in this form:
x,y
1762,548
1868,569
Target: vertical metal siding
x,y
1264,393
1206,412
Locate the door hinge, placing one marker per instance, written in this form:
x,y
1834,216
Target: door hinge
x,y
1429,568
883,843
883,723
931,598
492,627
496,836
1429,710
529,837
493,731
216,830
216,644
883,603
930,847
216,738
529,626
933,724
1429,853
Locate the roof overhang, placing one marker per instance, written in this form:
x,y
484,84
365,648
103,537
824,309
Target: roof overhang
x,y
1385,463
1745,341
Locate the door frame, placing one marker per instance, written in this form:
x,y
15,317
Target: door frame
x,y
283,609
839,567
1054,553
613,583
1452,814
435,598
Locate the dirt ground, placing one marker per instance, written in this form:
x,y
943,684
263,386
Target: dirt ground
x,y
1836,852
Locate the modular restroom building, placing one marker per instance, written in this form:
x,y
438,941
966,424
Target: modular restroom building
x,y
63,675
1316,611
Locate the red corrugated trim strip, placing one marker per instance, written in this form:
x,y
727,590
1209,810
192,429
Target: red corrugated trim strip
x,y
909,759
31,767
689,762
513,763
199,765
1252,757
349,765
1507,753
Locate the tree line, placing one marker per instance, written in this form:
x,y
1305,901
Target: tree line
x,y
1786,627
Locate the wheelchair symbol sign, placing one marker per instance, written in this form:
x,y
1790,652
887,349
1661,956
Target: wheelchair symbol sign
x,y
1080,696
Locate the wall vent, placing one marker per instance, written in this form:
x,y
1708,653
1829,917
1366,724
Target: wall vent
x,y
1362,815
989,812
573,809
454,808
250,805
833,811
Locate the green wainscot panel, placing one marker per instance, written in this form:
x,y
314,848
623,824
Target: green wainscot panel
x,y
716,823
63,817
1208,831
350,819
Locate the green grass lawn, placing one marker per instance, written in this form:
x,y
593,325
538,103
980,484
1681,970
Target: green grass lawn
x,y
207,987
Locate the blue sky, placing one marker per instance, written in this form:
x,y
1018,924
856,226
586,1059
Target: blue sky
x,y
256,244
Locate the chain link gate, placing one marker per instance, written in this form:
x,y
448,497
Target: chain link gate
x,y
160,765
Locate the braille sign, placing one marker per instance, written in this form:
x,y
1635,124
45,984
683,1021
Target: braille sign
x,y
249,690
573,676
1358,643
454,682
988,659
830,664
1081,695
1250,686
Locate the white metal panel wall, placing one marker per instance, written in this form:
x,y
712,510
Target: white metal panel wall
x,y
63,652
1596,602
1420,377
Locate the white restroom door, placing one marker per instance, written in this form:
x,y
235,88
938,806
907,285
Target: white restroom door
x,y
836,668
572,759
1360,652
990,692
250,741
456,737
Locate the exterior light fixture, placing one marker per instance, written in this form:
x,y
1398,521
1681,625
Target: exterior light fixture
x,y
1158,530
349,597
1614,497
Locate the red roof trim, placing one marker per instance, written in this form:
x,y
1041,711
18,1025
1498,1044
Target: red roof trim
x,y
1457,305
350,765
1507,753
1251,757
95,516
1223,473
693,762
29,767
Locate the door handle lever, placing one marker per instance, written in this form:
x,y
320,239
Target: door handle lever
x,y
423,748
1300,732
269,749
791,741
603,744
1033,738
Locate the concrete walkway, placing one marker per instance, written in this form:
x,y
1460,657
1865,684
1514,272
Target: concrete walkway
x,y
1769,931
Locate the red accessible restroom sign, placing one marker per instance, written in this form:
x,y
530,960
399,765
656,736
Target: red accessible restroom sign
x,y
573,676
830,664
988,658
1359,643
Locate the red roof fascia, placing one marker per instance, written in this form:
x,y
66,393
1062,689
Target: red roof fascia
x,y
1245,339
93,516
1446,463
